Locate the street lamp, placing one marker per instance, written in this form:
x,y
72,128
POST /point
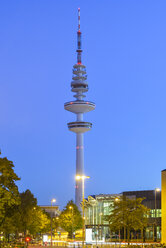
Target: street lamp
x,y
100,233
71,208
116,199
100,217
83,177
155,227
52,201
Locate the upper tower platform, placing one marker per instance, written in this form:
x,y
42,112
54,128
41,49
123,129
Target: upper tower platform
x,y
79,83
79,86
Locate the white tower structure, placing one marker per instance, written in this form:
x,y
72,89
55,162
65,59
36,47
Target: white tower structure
x,y
79,85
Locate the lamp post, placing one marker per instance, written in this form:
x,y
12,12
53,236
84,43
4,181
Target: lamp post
x,y
52,201
117,200
83,177
71,207
155,226
101,230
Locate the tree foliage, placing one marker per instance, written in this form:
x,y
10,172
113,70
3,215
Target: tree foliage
x,y
9,193
129,214
19,212
26,209
39,222
26,218
70,218
31,219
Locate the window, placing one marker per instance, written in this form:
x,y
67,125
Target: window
x,y
157,214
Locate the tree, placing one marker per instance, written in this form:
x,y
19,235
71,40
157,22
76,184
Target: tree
x,y
19,212
9,226
70,218
55,223
25,210
26,217
9,193
129,214
39,222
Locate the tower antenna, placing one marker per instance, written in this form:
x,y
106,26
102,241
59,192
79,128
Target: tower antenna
x,y
79,50
78,19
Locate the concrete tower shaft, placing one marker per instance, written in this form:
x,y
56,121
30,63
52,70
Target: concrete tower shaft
x,y
79,85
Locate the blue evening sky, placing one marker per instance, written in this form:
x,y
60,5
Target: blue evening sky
x,y
124,50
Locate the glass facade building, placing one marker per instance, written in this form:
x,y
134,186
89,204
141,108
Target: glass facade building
x,y
98,206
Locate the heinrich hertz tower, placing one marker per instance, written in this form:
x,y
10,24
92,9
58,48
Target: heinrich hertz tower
x,y
79,106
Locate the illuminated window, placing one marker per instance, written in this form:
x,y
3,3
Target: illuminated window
x,y
158,213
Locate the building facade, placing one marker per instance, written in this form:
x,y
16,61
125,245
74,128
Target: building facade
x,y
163,205
97,207
53,211
152,200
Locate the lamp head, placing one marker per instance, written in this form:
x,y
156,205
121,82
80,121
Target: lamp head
x,y
83,177
53,200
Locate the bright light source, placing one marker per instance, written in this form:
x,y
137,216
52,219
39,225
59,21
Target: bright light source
x,y
27,239
157,189
53,200
116,199
78,177
70,207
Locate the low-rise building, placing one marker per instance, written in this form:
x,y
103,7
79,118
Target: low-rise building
x,y
152,200
96,208
53,211
99,206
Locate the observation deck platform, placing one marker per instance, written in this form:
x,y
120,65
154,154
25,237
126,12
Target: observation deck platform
x,y
79,126
79,106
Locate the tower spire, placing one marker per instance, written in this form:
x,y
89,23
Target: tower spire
x,y
79,50
78,19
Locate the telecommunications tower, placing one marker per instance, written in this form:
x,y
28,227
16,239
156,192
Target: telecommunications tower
x,y
79,85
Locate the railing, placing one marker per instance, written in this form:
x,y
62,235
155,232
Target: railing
x,y
79,77
80,102
79,124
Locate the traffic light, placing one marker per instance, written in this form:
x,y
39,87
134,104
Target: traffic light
x,y
27,239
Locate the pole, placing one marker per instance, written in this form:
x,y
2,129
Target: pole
x,y
51,224
72,224
83,213
155,238
79,165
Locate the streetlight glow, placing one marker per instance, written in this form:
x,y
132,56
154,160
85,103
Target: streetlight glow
x,y
78,177
155,226
53,200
